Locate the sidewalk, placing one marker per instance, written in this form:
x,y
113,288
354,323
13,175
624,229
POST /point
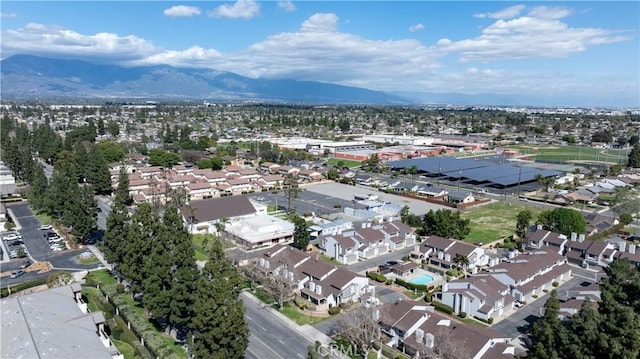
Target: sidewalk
x,y
96,252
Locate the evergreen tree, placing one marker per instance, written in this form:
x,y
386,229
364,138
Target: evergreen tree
x,y
38,187
620,311
185,273
98,171
548,332
144,227
82,161
115,236
634,156
156,282
584,333
82,215
300,233
62,186
523,222
445,223
122,195
219,325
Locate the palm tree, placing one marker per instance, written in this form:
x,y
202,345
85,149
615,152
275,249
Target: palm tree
x,y
221,225
462,262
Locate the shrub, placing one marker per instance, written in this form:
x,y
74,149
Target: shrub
x,y
116,333
119,288
441,307
462,314
428,298
389,281
334,310
535,296
546,290
555,284
412,286
490,321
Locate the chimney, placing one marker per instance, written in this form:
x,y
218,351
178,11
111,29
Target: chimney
x,y
429,340
440,255
447,257
581,237
312,286
290,276
318,289
574,235
419,335
622,246
632,249
538,227
262,261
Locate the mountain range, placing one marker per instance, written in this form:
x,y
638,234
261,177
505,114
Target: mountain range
x,y
29,77
25,77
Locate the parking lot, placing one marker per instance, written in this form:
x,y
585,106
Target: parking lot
x,y
38,248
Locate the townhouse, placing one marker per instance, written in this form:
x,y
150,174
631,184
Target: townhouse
x,y
369,241
416,329
493,291
322,284
442,252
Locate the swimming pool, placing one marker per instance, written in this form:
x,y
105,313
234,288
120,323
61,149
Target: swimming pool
x,y
423,279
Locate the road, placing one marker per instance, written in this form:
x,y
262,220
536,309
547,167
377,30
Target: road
x,y
271,338
362,266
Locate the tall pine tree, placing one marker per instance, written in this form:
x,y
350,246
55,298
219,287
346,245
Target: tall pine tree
x,y
219,325
98,171
548,333
144,227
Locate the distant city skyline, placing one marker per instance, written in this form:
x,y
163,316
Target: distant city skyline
x,y
556,50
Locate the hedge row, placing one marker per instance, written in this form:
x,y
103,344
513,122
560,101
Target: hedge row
x,y
377,277
22,286
140,324
442,307
490,321
412,286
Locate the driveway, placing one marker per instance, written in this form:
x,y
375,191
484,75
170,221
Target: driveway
x,y
522,318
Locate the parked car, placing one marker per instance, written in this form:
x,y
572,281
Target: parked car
x,y
16,243
45,227
55,240
518,304
25,264
17,273
12,236
392,263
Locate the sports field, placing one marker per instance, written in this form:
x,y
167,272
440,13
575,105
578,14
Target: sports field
x,y
333,161
574,154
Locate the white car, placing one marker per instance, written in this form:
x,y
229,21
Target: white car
x,y
12,237
45,227
55,240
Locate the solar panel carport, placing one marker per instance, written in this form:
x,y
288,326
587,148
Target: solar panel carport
x,y
479,171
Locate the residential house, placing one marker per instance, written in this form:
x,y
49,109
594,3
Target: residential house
x,y
309,175
330,228
455,196
270,182
432,191
540,237
269,167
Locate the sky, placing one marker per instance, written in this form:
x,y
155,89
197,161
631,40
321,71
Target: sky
x,y
553,49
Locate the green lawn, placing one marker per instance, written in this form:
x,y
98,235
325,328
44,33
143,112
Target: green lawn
x,y
494,221
330,260
125,349
101,276
202,245
349,163
88,260
573,153
44,218
292,312
472,322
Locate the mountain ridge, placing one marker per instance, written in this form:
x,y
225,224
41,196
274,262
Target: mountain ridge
x,y
27,76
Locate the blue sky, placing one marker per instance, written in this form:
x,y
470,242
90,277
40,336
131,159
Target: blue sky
x,y
523,48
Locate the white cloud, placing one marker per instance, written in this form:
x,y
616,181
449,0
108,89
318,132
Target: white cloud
x,y
528,37
546,12
4,15
241,9
320,23
182,11
507,13
55,40
286,5
416,27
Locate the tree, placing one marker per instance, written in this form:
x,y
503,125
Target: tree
x,y
332,174
158,157
634,156
38,187
523,222
462,262
291,189
445,223
583,332
143,228
115,236
300,233
361,327
625,201
97,171
548,333
404,214
220,330
563,221
122,195
112,151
